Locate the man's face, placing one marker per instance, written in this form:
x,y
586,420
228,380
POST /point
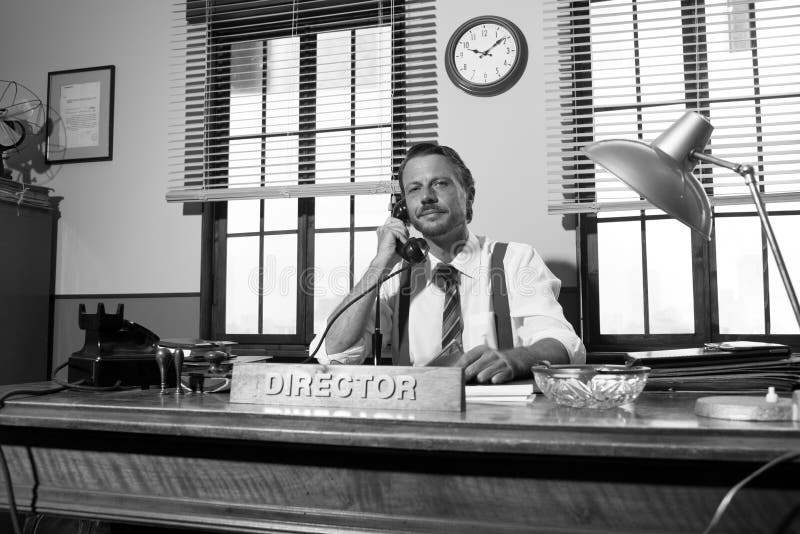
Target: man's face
x,y
436,199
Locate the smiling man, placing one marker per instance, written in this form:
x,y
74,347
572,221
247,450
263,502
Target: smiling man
x,y
488,307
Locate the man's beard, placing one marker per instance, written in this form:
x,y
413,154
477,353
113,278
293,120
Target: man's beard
x,y
439,227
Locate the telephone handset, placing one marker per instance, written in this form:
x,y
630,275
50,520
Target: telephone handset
x,y
415,249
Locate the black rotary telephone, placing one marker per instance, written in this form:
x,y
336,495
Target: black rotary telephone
x,y
415,249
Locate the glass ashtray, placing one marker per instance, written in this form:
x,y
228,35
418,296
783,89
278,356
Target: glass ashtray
x,y
590,386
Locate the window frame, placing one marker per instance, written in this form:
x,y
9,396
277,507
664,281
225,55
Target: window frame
x,y
214,214
704,264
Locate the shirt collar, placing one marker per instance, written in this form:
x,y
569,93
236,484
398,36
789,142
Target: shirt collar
x,y
467,261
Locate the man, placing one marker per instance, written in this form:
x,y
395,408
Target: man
x,y
450,293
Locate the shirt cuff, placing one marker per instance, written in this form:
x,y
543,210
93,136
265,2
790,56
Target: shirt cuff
x,y
355,355
570,341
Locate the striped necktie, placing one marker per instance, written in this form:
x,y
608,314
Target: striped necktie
x,y
446,278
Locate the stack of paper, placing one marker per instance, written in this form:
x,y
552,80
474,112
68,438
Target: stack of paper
x,y
512,392
783,375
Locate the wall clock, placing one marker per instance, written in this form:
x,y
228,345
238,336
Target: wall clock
x,y
486,55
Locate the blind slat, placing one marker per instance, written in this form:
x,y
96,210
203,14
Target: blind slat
x,y
302,98
628,69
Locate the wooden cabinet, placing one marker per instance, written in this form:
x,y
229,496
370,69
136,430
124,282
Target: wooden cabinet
x,y
28,215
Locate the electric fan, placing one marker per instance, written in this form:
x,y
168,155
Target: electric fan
x,y
22,119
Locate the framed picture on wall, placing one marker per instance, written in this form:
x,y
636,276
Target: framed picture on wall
x,y
81,111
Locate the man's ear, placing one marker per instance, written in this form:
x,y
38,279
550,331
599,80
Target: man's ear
x,y
470,200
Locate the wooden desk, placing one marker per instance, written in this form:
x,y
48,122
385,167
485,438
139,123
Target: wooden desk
x,y
201,462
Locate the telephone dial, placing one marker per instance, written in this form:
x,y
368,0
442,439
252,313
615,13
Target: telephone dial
x,y
415,249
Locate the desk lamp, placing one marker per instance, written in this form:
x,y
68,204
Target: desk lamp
x,y
661,172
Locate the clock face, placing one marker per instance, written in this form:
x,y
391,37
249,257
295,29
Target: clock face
x,y
486,56
485,53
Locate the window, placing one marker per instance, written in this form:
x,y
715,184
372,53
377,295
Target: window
x,y
634,67
307,106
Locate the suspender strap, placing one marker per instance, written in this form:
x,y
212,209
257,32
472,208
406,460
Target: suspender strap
x,y
502,312
400,352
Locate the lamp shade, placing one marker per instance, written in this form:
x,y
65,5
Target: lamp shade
x,y
661,171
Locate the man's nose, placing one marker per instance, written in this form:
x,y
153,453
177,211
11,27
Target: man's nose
x,y
428,195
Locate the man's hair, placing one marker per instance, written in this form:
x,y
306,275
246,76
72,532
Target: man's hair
x,y
462,171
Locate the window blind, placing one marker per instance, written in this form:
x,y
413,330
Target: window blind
x,y
629,68
281,98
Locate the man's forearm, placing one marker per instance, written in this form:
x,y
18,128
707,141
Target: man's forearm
x,y
524,358
349,327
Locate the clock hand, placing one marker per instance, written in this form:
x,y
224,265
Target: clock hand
x,y
494,45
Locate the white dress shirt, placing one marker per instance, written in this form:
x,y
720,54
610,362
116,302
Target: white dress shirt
x,y
533,292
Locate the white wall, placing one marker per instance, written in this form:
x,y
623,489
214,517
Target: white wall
x,y
116,232
502,140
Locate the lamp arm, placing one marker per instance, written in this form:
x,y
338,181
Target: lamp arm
x,y
748,173
708,158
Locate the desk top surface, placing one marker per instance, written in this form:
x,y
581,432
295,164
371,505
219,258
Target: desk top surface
x,y
659,425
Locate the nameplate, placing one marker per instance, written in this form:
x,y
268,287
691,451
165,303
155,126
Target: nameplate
x,y
349,386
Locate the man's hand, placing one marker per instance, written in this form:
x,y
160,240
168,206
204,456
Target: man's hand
x,y
486,365
392,231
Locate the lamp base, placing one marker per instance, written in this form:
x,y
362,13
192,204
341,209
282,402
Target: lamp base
x,y
744,408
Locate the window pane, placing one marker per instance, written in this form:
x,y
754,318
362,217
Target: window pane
x,y
280,214
331,274
737,120
332,212
246,88
244,171
280,284
373,162
244,216
777,40
660,50
283,80
669,277
740,285
241,289
372,210
782,319
366,244
280,162
619,250
730,61
373,75
333,166
333,79
780,120
614,76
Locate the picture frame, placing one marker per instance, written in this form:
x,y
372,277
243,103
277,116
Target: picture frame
x,y
80,105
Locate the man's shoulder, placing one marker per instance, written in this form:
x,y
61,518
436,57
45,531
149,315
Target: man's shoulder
x,y
514,249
